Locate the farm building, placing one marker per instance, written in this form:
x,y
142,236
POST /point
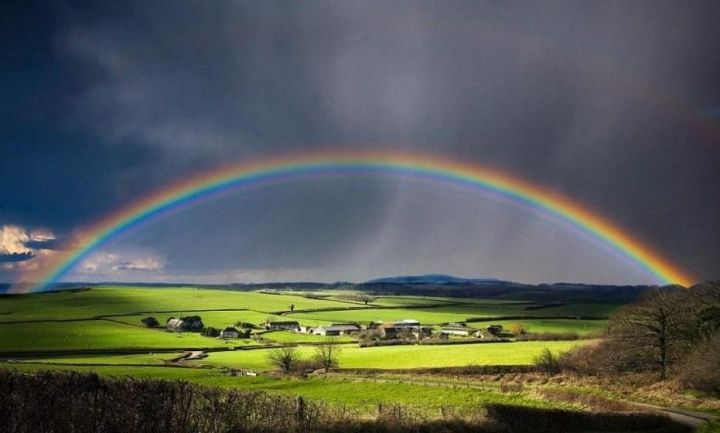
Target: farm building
x,y
189,323
229,332
334,330
306,329
407,324
461,332
398,328
289,325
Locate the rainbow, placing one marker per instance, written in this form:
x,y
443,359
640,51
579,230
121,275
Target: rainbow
x,y
262,171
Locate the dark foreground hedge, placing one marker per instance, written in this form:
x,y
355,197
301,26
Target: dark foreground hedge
x,y
537,420
86,403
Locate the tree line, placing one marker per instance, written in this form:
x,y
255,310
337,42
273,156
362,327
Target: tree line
x,y
670,331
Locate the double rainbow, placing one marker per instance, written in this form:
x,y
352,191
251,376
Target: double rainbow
x,y
285,168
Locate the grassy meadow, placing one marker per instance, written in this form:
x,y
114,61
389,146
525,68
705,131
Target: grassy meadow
x,y
100,330
408,356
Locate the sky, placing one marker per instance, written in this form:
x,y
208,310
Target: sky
x,y
611,104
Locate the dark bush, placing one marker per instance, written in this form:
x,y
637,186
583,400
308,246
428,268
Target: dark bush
x,y
246,325
150,322
85,403
211,332
531,419
701,369
547,336
548,363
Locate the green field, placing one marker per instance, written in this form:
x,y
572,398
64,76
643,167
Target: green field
x,y
430,315
130,300
158,359
98,335
297,337
581,327
217,319
351,356
100,330
408,356
362,395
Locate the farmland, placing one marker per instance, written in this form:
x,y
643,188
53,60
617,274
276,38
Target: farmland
x,y
396,357
99,329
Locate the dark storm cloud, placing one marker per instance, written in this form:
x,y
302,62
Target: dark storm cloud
x,y
16,257
593,99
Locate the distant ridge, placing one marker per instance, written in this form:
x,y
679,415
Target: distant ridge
x,y
434,279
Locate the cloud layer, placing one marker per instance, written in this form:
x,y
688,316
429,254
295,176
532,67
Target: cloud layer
x,y
605,103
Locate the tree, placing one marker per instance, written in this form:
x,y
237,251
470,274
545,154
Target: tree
x,y
709,320
211,332
366,299
284,358
656,331
292,307
150,322
327,355
548,363
245,325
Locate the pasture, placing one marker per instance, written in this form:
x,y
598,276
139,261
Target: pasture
x,y
98,335
100,329
360,395
110,300
407,356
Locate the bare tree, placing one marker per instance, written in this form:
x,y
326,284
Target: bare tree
x,y
284,358
655,331
327,355
366,299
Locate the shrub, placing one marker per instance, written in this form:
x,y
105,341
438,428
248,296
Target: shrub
x,y
211,332
284,358
537,420
150,322
701,369
327,355
548,363
518,329
547,336
511,388
245,325
86,403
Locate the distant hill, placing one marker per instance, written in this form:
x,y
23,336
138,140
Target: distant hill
x,y
434,279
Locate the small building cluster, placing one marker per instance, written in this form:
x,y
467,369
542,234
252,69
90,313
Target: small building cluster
x,y
290,325
229,333
386,330
400,329
336,330
189,323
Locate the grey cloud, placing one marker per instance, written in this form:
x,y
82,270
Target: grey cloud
x,y
16,257
133,266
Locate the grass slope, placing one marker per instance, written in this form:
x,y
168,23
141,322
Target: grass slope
x,y
363,396
397,357
98,335
128,300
